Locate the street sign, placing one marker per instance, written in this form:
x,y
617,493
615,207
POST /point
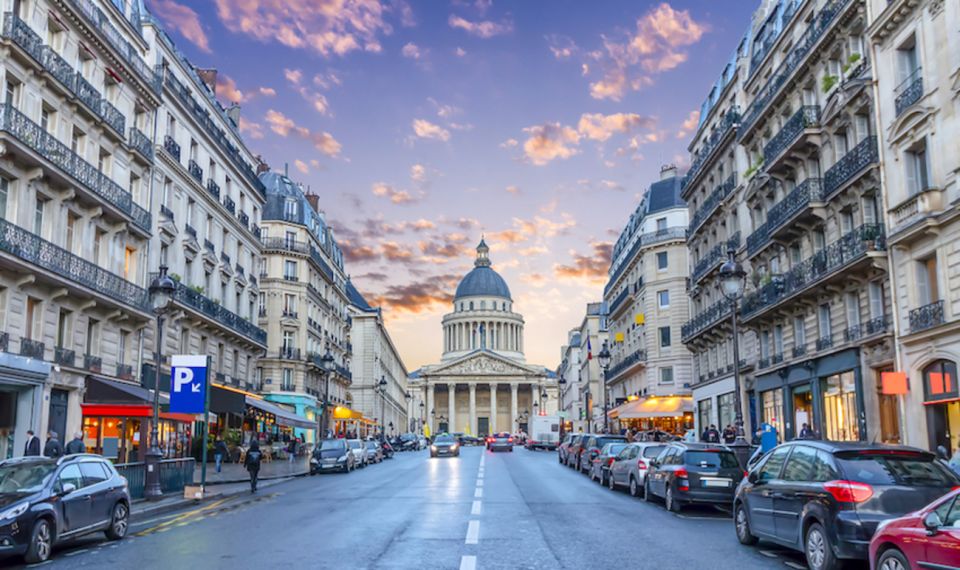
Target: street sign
x,y
188,384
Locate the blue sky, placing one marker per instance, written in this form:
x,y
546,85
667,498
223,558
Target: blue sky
x,y
423,124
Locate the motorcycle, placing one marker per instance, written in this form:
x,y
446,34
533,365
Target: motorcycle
x,y
387,449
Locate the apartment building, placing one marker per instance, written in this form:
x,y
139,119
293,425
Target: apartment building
x,y
915,48
78,104
303,305
647,306
568,381
590,393
379,375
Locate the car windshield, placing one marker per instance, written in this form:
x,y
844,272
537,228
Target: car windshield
x,y
372,445
354,444
331,444
916,469
25,477
445,439
614,448
601,441
652,451
502,435
724,459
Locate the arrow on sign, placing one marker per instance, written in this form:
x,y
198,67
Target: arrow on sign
x,y
195,388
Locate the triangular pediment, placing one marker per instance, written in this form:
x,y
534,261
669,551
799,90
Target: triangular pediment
x,y
484,363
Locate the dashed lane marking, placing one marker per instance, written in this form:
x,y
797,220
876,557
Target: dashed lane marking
x,y
770,554
468,562
476,508
478,493
473,532
796,565
480,483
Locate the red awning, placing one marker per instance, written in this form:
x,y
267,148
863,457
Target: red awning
x,y
117,410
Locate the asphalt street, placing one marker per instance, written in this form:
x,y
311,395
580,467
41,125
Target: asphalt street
x,y
481,510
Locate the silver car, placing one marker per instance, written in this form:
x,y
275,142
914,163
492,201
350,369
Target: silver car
x,y
374,451
631,465
359,452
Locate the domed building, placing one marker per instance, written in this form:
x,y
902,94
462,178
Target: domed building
x,y
483,384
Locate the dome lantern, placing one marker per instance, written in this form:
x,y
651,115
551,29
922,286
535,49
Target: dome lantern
x,y
483,254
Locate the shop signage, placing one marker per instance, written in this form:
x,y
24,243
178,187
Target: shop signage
x,y
894,383
188,384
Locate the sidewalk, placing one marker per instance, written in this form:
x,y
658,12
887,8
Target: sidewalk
x,y
141,508
236,473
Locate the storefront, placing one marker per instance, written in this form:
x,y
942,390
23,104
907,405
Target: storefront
x,y
671,414
21,400
272,422
303,406
941,398
347,421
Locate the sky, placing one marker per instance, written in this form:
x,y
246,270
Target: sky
x,y
424,125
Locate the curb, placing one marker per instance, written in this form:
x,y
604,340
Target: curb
x,y
247,479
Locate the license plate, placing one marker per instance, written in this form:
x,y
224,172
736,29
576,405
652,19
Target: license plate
x,y
716,482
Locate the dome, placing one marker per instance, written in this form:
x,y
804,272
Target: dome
x,y
482,281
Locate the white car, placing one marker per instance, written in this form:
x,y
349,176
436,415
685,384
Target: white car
x,y
630,468
359,452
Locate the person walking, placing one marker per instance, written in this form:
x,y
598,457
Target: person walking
x,y
53,448
32,447
807,433
292,450
219,452
729,434
711,435
76,444
252,463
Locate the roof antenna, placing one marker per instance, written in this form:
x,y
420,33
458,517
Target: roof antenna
x,y
286,169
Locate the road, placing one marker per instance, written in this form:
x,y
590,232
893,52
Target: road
x,y
481,510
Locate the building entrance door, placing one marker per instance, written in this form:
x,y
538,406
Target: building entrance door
x,y
58,413
483,426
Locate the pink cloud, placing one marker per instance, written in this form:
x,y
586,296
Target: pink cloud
x,y
183,19
482,29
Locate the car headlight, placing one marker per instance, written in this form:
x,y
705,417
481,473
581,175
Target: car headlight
x,y
433,448
342,459
15,511
453,447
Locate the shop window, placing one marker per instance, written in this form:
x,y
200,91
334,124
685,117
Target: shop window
x,y
840,408
705,413
940,381
726,410
772,401
889,408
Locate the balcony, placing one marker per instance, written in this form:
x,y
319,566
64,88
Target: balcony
x,y
708,148
627,363
345,373
926,317
197,173
124,371
166,212
291,278
244,219
714,258
288,353
644,240
77,171
913,215
208,245
213,189
704,320
799,351
810,191
64,356
93,363
255,230
228,203
909,91
855,333
825,342
828,263
616,304
847,168
225,259
31,348
712,202
216,313
804,121
141,144
289,314
62,264
190,231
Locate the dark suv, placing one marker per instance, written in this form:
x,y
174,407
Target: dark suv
x,y
826,499
686,473
44,501
590,449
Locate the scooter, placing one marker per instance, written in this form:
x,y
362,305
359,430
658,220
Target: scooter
x,y
387,449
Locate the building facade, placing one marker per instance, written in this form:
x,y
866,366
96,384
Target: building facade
x,y
482,384
303,307
646,308
375,361
570,405
78,105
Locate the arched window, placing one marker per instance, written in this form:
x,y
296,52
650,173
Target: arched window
x,y
504,305
483,305
940,381
471,305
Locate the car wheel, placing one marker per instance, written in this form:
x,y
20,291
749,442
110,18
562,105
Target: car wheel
x,y
818,550
893,559
671,502
742,526
41,542
119,522
634,487
647,495
611,483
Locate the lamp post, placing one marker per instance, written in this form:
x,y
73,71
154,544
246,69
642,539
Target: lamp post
x,y
731,285
423,418
604,359
382,388
560,409
161,293
407,396
328,365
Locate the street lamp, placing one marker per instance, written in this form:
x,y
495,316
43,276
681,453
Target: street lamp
x,y
604,359
731,285
423,418
161,293
328,365
382,387
561,410
408,396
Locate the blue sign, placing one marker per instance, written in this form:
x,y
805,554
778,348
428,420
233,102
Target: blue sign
x,y
188,384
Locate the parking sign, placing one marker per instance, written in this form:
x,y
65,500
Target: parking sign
x,y
188,384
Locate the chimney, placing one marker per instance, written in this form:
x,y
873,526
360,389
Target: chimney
x,y
209,76
233,113
262,165
668,171
314,201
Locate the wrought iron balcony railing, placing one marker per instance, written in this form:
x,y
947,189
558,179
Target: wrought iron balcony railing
x,y
627,362
141,143
859,157
225,259
810,190
705,319
825,342
799,350
808,116
92,363
190,231
644,240
194,169
166,212
909,91
623,296
31,348
243,218
124,371
229,204
85,174
41,253
240,270
213,188
172,147
64,356
208,245
709,146
714,257
217,313
710,205
927,316
288,353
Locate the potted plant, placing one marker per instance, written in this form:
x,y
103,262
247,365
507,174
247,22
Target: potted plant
x,y
829,82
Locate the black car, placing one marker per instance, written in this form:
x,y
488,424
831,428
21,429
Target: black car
x,y
44,501
687,473
445,445
827,498
590,449
332,455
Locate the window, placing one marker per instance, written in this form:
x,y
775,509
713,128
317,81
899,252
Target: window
x,y
852,301
871,211
290,270
927,281
661,225
875,290
826,328
795,255
129,263
908,63
290,239
288,341
93,473
63,329
661,260
664,337
31,329
11,94
663,299
846,222
917,173
770,469
287,381
71,231
93,341
666,375
801,464
765,344
289,304
97,243
70,475
290,209
778,340
4,193
819,239
38,215
123,342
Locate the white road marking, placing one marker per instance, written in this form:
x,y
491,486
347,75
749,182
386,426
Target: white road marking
x,y
770,554
476,508
76,552
478,493
468,562
473,532
796,565
479,482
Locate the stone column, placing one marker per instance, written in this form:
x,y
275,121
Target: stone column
x,y
534,397
452,407
493,408
473,409
430,408
513,407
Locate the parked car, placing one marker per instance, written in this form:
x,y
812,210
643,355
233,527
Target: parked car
x,y
445,445
564,447
928,538
465,439
374,451
359,452
500,441
332,455
46,501
685,473
826,499
600,466
590,449
631,465
575,448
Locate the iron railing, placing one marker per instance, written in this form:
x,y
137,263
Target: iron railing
x,y
31,348
714,257
229,204
244,219
345,373
213,188
825,342
197,172
810,190
799,351
706,319
141,143
225,259
175,475
621,262
172,147
927,316
64,356
859,157
808,116
93,363
708,148
909,91
87,175
37,251
216,312
125,371
623,296
712,202
208,245
166,212
628,361
190,231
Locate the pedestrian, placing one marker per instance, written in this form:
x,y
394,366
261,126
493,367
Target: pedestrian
x,y
53,447
729,434
252,463
76,444
807,433
711,435
292,450
219,452
32,447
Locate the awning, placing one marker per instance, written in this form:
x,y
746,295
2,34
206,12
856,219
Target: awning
x,y
344,413
284,416
104,391
656,407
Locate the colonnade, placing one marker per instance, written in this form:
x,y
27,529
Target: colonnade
x,y
496,335
454,420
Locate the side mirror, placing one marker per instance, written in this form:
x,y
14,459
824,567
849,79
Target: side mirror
x,y
654,463
67,488
753,477
932,523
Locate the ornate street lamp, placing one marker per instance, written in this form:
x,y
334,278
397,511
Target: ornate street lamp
x,y
732,285
382,387
328,365
161,293
604,359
